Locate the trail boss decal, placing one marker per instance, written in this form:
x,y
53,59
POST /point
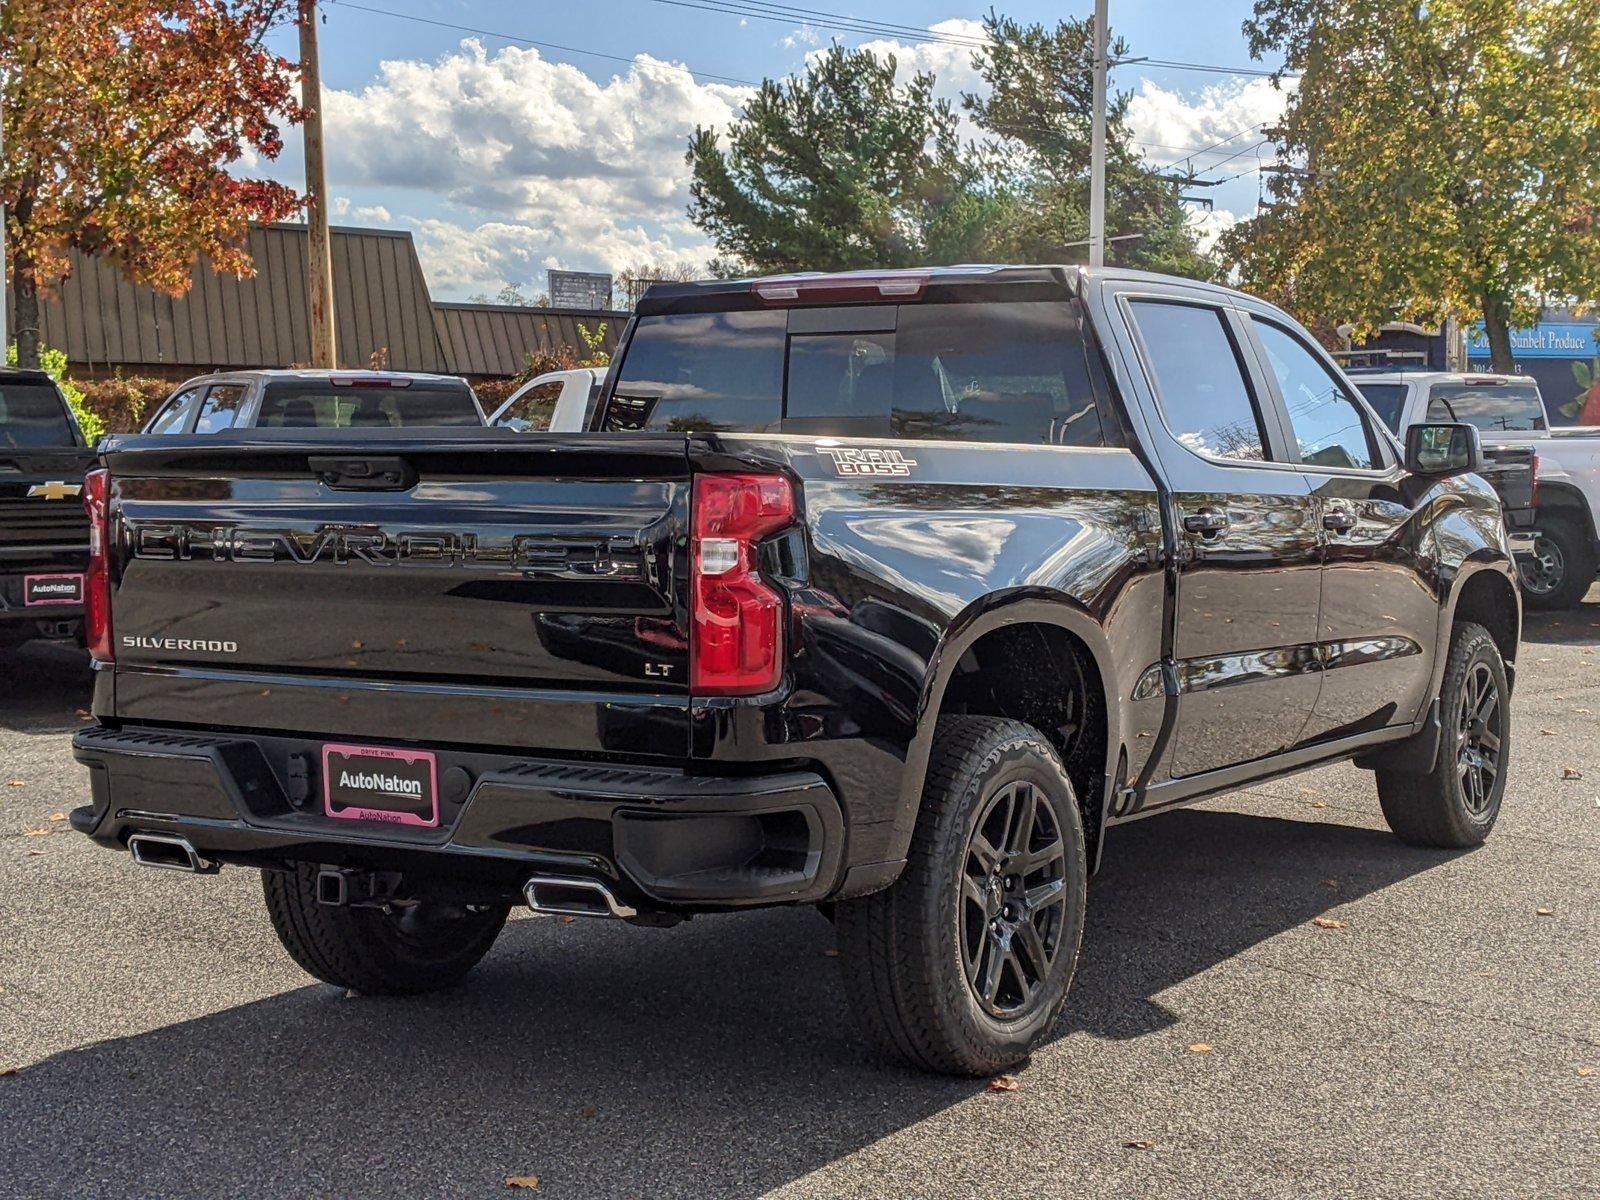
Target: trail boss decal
x,y
869,462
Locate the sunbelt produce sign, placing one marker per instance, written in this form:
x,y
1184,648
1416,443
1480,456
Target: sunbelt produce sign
x,y
1550,339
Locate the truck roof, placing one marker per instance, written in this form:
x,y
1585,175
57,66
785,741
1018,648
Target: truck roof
x,y
1385,375
886,286
25,375
271,373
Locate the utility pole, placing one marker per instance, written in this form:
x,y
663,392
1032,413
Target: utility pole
x,y
5,277
319,246
1097,151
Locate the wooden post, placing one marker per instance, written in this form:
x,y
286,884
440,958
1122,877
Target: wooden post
x,y
319,248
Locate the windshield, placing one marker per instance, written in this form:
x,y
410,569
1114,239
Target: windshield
x,y
1492,407
1386,399
317,404
33,416
995,371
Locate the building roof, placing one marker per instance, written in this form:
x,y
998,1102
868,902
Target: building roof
x,y
495,339
381,303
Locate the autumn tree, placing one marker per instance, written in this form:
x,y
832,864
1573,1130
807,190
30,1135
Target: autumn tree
x,y
1436,158
124,124
840,166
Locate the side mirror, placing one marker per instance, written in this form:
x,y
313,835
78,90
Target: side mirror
x,y
1443,448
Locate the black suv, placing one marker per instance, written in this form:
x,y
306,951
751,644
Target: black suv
x,y
891,593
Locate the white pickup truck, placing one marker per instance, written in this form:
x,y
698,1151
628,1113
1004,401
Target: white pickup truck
x,y
1559,567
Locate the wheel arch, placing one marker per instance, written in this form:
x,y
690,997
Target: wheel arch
x,y
990,640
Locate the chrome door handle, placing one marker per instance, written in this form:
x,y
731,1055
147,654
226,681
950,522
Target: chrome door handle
x,y
1339,520
1208,522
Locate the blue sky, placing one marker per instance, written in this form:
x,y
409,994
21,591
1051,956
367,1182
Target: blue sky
x,y
507,159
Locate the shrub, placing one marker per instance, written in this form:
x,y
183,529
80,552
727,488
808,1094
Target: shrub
x,y
492,393
123,403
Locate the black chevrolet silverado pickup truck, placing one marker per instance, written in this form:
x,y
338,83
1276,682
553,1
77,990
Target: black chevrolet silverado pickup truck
x,y
890,593
44,535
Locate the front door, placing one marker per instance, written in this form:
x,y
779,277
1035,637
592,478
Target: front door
x,y
1249,541
1379,612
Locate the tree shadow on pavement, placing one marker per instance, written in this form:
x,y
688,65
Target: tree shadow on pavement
x,y
715,1059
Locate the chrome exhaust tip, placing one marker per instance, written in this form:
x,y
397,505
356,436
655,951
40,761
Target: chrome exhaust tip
x,y
571,896
169,852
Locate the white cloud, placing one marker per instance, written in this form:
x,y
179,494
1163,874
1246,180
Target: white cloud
x,y
461,259
1209,225
1167,123
949,63
342,209
806,35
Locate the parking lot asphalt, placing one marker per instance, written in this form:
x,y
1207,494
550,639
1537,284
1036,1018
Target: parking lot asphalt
x,y
1443,1041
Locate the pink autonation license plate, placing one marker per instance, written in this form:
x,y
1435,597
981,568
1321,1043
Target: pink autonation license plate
x,y
379,783
40,591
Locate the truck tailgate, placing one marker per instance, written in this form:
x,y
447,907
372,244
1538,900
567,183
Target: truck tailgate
x,y
419,563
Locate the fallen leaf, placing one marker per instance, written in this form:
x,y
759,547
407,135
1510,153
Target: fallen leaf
x,y
1329,923
17,783
1584,1071
37,833
528,1183
351,994
1201,1048
1547,733
830,953
1571,773
588,1112
1584,712
35,853
1545,912
568,920
1308,791
1139,1144
83,714
1330,883
56,817
1319,804
1005,1083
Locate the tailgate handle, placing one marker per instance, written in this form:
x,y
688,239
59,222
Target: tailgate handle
x,y
364,474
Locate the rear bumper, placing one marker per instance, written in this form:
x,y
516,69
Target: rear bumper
x,y
661,839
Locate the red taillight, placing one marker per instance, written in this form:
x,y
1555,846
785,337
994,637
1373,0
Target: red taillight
x,y
1533,490
736,622
97,581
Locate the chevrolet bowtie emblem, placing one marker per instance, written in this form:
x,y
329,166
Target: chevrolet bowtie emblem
x,y
56,489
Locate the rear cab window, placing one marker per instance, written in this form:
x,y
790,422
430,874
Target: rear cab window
x,y
1492,407
396,404
988,370
33,416
1200,381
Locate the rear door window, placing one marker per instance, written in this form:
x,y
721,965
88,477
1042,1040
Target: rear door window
x,y
531,411
1200,382
1492,407
174,417
220,409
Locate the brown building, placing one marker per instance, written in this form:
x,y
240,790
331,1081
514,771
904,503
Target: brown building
x,y
107,325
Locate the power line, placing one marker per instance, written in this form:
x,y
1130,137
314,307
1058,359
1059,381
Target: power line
x,y
786,15
526,41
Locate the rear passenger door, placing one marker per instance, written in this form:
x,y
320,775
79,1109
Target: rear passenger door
x,y
1248,538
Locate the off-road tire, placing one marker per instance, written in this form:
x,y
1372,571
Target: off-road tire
x,y
902,949
1576,555
1435,809
369,949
